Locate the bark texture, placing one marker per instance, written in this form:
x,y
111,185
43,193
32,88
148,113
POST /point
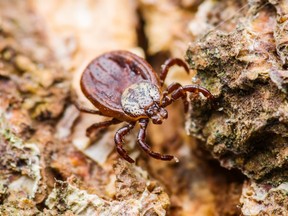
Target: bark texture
x,y
244,69
48,166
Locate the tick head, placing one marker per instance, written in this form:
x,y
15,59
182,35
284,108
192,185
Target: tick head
x,y
142,100
156,113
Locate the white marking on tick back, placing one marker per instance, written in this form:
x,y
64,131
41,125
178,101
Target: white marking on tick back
x,y
139,96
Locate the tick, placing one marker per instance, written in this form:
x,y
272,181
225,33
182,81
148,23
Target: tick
x,y
123,86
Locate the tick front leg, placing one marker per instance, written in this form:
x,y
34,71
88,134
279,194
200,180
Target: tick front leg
x,y
196,89
141,141
177,91
99,125
118,138
173,88
168,64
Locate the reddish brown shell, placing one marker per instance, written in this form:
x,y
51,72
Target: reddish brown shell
x,y
107,76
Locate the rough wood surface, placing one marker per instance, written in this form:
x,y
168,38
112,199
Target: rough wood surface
x,y
237,48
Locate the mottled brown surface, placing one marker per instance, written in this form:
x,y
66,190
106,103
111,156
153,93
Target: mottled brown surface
x,y
247,128
49,167
262,199
35,137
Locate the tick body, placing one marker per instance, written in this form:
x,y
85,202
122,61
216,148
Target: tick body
x,y
123,86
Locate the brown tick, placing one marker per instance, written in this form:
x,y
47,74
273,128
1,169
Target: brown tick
x,y
125,87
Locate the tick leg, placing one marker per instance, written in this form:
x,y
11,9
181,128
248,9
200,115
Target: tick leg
x,y
118,138
141,141
172,88
169,63
87,110
177,91
80,107
196,89
98,125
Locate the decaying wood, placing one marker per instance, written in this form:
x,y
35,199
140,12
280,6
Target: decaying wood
x,y
246,128
237,48
243,70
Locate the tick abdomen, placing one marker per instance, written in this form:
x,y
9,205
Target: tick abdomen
x,y
108,76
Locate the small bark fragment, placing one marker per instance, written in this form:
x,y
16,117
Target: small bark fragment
x,y
261,199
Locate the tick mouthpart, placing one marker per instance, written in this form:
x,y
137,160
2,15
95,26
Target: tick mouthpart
x,y
156,119
163,112
156,113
